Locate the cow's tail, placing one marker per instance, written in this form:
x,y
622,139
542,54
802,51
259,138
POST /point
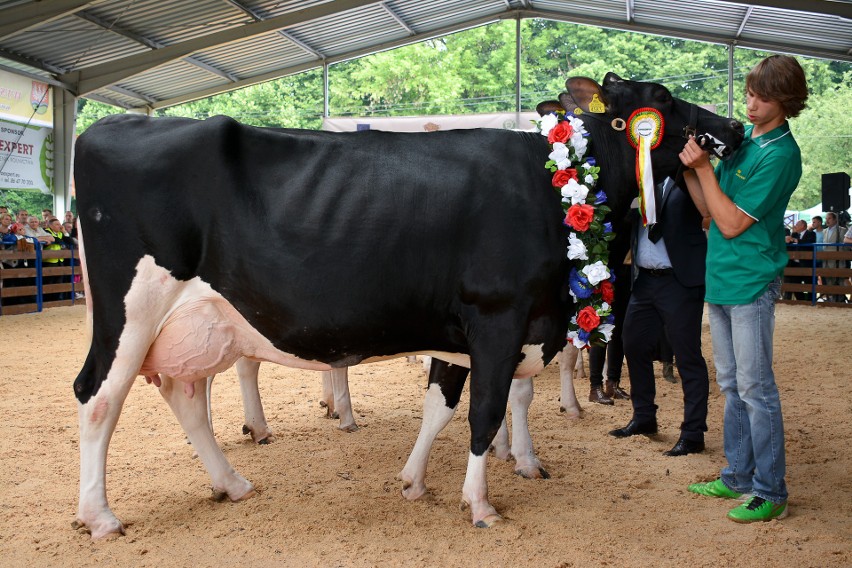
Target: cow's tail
x,y
86,288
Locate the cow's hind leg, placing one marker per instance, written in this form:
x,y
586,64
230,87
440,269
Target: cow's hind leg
x,y
188,402
255,420
98,417
446,382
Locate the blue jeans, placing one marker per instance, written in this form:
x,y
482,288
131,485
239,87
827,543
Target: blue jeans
x,y
754,430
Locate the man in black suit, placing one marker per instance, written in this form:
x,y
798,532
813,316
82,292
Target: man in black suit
x,y
801,235
668,290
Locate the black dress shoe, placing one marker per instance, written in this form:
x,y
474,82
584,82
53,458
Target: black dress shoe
x,y
634,427
684,447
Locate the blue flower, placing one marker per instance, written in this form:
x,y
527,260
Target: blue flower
x,y
583,335
609,319
607,227
600,197
580,284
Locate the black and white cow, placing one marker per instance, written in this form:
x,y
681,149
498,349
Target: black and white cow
x,y
379,244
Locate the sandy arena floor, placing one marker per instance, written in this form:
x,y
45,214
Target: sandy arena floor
x,y
328,498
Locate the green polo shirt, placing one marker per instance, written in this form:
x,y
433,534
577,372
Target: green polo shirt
x,y
759,178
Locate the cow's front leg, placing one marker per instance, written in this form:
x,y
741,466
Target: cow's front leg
x,y
446,382
188,402
493,360
98,418
568,358
255,420
526,463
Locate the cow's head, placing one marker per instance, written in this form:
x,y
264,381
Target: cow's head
x,y
615,100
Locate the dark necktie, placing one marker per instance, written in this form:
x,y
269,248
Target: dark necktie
x,y
655,232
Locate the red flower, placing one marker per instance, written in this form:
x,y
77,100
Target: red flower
x,y
580,216
606,291
560,133
588,319
561,177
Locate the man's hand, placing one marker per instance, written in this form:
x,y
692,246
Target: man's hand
x,y
692,156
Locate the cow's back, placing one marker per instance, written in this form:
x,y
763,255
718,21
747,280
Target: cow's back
x,y
335,246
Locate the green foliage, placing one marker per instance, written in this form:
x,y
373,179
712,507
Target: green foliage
x,y
32,201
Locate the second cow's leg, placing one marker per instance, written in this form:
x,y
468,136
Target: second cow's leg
x,y
446,382
255,420
568,357
189,403
526,463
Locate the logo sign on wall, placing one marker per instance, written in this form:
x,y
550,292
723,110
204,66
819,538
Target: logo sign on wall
x,y
26,134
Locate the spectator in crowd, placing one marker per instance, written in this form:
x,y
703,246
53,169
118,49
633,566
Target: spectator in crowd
x,y
668,294
832,234
800,235
18,240
5,223
847,238
54,229
21,217
35,231
69,217
46,214
747,196
817,228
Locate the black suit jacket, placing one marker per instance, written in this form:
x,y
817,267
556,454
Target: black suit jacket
x,y
805,238
686,243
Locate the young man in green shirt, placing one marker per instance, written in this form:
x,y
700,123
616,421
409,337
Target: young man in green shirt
x,y
746,197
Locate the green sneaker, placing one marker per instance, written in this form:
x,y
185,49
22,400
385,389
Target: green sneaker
x,y
716,489
758,509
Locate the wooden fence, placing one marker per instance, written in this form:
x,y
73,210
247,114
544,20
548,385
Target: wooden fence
x,y
41,284
808,279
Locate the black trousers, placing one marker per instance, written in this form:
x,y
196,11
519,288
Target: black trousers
x,y
613,352
658,301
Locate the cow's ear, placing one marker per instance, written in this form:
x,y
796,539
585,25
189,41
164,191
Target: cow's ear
x,y
583,93
612,78
547,107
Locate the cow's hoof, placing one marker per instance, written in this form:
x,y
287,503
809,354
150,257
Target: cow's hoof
x,y
220,495
349,428
413,491
266,441
323,404
571,413
488,521
246,430
106,528
532,472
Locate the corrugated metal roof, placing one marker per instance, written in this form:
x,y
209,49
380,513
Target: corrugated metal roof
x,y
155,53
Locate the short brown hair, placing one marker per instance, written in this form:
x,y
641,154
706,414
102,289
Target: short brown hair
x,y
780,78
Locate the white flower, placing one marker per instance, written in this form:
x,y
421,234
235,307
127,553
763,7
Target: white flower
x,y
577,125
576,248
575,339
579,143
575,192
560,155
606,329
596,273
603,309
589,179
548,121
